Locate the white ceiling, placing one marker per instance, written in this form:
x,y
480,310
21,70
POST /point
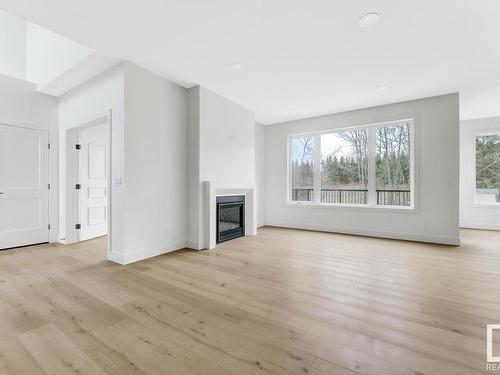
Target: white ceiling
x,y
300,58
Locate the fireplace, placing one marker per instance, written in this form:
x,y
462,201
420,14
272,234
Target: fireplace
x,y
230,217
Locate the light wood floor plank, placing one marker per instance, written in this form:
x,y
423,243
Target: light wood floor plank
x,y
56,354
282,302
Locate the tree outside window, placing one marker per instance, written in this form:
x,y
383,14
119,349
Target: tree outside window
x,y
393,175
487,189
368,165
302,168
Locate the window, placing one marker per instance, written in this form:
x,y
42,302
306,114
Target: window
x,y
302,168
393,164
366,166
344,167
487,169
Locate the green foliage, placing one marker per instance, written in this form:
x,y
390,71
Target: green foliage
x,y
488,162
302,174
343,172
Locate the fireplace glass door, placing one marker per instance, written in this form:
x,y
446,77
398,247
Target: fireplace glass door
x,y
230,217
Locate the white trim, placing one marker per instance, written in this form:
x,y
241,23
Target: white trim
x,y
212,189
317,168
194,245
136,256
443,240
372,165
487,206
485,226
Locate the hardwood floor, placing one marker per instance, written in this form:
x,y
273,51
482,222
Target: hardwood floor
x,y
283,302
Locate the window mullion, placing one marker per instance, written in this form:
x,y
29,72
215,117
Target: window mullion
x,y
372,194
317,168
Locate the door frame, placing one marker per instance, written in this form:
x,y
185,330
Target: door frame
x,y
73,174
52,228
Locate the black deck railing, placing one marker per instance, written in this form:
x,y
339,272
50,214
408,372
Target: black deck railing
x,y
355,196
393,197
350,196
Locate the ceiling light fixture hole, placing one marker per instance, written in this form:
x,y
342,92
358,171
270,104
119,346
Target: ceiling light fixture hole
x,y
369,19
236,66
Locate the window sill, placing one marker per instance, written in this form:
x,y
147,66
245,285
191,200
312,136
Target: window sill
x,y
361,207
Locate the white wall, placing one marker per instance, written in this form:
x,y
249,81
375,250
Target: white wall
x,y
194,225
224,134
12,46
21,105
470,216
227,140
148,155
85,103
35,54
437,175
48,55
156,154
260,171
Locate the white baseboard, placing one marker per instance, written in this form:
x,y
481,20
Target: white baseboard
x,y
135,256
480,226
193,245
455,241
117,257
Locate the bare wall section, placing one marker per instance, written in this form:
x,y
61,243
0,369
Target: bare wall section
x,y
156,154
260,171
435,218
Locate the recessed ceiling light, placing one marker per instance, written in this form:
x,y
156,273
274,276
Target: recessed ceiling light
x,y
382,88
291,107
369,19
236,66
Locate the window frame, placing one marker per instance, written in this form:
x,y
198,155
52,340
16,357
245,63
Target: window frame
x,y
372,202
475,134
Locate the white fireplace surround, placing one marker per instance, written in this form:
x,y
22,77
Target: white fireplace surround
x,y
214,189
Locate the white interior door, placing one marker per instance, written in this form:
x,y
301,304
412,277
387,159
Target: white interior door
x,y
24,194
93,171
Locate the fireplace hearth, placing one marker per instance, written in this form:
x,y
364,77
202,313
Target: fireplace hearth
x,y
230,217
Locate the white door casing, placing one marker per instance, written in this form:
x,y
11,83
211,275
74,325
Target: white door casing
x,y
93,177
24,192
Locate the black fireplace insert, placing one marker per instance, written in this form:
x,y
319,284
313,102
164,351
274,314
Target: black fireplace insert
x,y
230,217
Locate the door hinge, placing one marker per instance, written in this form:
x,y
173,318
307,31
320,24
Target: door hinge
x,y
48,186
78,186
78,226
78,146
49,226
48,146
